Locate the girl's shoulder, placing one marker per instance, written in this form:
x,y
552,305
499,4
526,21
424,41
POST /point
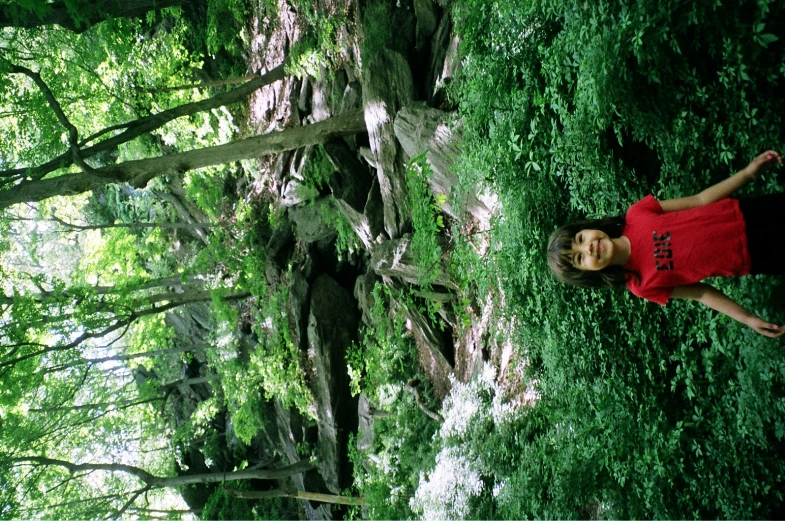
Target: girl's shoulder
x,y
646,205
658,295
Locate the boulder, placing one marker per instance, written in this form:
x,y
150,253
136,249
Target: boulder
x,y
444,60
394,258
431,349
423,129
296,192
387,87
321,98
308,221
289,435
297,308
363,293
332,327
352,97
427,19
351,185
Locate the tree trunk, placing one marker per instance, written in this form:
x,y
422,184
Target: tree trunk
x,y
204,84
144,125
162,482
92,13
296,494
138,173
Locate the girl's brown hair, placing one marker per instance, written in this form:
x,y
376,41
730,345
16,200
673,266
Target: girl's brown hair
x,y
560,258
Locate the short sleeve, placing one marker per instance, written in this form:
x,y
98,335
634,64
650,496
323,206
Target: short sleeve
x,y
657,295
647,205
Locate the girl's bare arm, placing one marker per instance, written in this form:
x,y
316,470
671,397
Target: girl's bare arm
x,y
716,300
725,188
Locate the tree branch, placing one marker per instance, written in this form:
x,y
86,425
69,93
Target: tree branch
x,y
73,134
128,503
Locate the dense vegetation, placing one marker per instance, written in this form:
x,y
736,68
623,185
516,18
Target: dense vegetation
x,y
581,108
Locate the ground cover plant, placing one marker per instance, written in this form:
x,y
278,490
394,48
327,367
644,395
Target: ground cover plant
x,y
581,108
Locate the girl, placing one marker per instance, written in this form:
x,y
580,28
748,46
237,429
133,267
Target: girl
x,y
663,249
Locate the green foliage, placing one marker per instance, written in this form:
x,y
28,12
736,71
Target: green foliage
x,y
318,48
387,353
346,240
317,171
402,450
427,220
378,28
273,368
225,25
387,473
221,506
575,109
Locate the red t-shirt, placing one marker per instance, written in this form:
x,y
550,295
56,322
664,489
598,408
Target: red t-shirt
x,y
680,248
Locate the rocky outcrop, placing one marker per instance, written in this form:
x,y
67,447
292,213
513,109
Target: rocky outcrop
x,y
421,129
387,87
399,88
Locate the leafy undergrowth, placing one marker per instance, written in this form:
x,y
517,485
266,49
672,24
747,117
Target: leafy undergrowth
x,y
573,109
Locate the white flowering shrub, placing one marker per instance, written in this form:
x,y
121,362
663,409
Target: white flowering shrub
x,y
446,492
479,400
471,412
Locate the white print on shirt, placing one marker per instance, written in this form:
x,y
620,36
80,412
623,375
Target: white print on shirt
x,y
662,250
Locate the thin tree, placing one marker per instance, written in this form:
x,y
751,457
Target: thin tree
x,y
138,173
128,131
149,481
292,492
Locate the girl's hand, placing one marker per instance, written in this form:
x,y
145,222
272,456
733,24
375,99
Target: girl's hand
x,y
764,162
766,329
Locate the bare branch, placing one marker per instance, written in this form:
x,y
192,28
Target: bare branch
x,y
128,503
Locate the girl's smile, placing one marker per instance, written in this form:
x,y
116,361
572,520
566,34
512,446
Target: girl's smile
x,y
593,250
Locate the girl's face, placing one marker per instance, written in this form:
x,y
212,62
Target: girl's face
x,y
592,250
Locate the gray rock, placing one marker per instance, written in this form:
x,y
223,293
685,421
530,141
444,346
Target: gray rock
x,y
351,185
444,59
332,326
387,87
337,89
321,98
365,427
288,443
298,309
295,192
352,97
425,11
424,129
394,258
363,293
301,158
307,220
304,99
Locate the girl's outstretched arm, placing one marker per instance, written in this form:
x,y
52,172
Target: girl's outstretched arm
x,y
726,188
716,300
